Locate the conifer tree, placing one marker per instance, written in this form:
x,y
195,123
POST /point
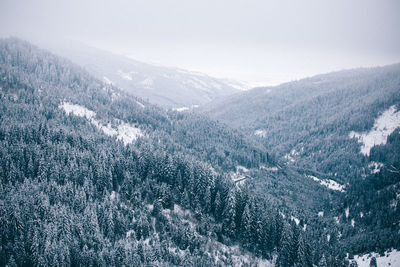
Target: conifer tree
x,y
285,257
373,262
228,215
245,229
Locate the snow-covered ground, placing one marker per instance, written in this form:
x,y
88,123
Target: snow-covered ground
x,y
77,110
389,259
182,212
384,125
261,133
395,201
333,185
291,156
347,212
107,81
296,220
140,104
148,82
239,257
114,196
241,169
129,233
128,133
125,132
375,167
239,176
125,75
271,169
337,220
181,109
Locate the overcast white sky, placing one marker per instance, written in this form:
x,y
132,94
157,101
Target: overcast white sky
x,y
263,42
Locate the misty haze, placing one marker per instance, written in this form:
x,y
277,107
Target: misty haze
x,y
200,133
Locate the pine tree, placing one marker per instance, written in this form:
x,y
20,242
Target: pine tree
x,y
373,262
185,202
164,196
277,228
11,262
285,257
322,262
228,215
207,199
35,248
178,181
245,229
157,207
217,206
303,252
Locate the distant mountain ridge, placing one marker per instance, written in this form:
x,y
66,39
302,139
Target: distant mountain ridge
x,y
166,86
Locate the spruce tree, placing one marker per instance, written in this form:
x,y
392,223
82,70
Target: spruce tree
x,y
373,262
228,215
245,227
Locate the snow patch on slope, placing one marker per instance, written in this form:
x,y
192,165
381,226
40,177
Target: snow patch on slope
x,y
125,75
239,257
260,133
125,132
77,110
140,104
296,220
291,156
239,177
391,258
181,109
148,82
107,81
384,125
347,212
241,169
271,169
337,220
330,184
128,133
375,167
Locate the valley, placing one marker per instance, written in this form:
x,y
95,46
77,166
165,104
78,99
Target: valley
x,y
301,174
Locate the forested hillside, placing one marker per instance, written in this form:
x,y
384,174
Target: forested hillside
x,y
308,122
93,176
341,126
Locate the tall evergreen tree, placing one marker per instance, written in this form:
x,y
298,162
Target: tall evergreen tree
x,y
228,215
245,229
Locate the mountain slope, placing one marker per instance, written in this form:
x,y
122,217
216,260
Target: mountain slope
x,y
93,176
341,127
168,87
308,123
